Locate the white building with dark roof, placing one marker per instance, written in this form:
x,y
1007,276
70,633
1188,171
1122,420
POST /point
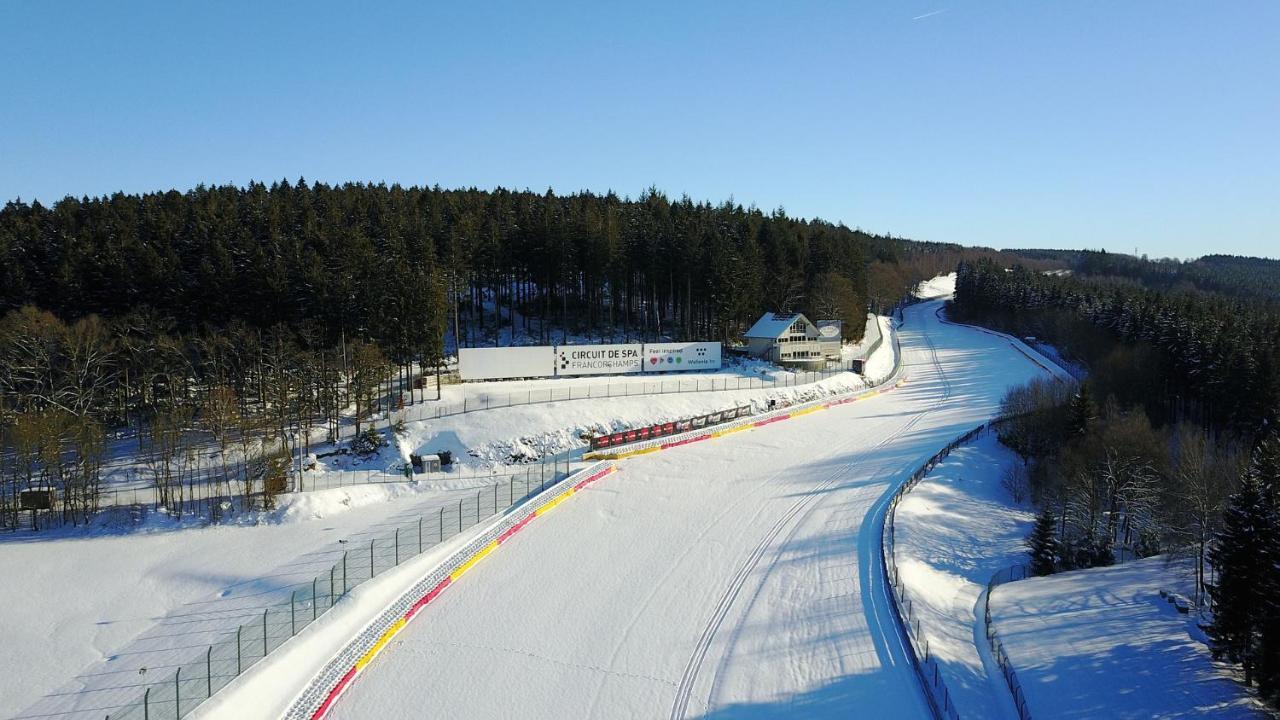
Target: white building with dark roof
x,y
787,339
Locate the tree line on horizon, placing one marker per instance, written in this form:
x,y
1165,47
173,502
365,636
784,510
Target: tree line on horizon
x,y
1171,443
228,314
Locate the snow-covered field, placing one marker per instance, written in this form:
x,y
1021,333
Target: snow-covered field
x,y
733,578
1103,643
81,616
105,601
954,531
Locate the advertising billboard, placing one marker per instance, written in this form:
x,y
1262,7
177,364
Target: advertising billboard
x,y
598,359
686,356
505,363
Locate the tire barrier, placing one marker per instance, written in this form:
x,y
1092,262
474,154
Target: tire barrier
x,y
626,437
894,380
318,698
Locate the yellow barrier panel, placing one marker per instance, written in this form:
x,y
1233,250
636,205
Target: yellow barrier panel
x,y
377,647
554,502
453,577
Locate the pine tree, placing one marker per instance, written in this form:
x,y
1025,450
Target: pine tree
x,y
1081,411
1264,470
1043,544
1241,554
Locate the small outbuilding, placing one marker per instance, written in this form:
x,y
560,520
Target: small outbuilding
x,y
787,339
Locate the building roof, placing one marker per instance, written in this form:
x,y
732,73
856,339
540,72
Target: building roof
x,y
773,325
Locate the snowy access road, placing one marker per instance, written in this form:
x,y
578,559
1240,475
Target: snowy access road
x,y
739,577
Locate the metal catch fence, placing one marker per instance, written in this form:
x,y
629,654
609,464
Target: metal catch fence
x,y
926,665
1009,574
203,675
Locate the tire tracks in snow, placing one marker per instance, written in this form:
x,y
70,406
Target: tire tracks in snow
x,y
657,587
684,691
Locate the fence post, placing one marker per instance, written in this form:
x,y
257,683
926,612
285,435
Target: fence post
x,y
344,572
331,569
293,613
208,671
264,631
146,704
419,534
177,693
371,568
441,523
314,599
397,547
459,516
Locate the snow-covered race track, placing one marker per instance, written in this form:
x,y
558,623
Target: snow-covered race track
x,y
734,578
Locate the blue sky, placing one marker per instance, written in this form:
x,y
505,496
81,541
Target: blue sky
x,y
1153,125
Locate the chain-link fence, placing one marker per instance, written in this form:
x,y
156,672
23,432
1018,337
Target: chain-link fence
x,y
923,661
489,401
209,671
1009,574
926,664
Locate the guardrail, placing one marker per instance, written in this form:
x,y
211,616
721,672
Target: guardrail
x,y
204,675
318,697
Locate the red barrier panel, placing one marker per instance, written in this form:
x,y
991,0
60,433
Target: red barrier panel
x,y
334,693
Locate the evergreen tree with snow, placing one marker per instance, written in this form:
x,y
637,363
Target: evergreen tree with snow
x,y
1081,411
1043,544
1242,554
1264,469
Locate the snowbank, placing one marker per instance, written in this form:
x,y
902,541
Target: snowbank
x,y
938,287
954,531
1102,642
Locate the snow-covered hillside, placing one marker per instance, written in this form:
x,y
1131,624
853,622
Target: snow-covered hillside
x,y
1103,643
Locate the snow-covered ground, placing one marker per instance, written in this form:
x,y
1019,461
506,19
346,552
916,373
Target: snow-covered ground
x,y
1103,643
487,439
954,531
106,600
733,578
937,287
82,615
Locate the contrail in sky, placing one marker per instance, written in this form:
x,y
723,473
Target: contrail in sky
x,y
928,14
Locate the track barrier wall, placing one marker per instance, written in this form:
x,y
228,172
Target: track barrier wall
x,y
323,691
217,665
